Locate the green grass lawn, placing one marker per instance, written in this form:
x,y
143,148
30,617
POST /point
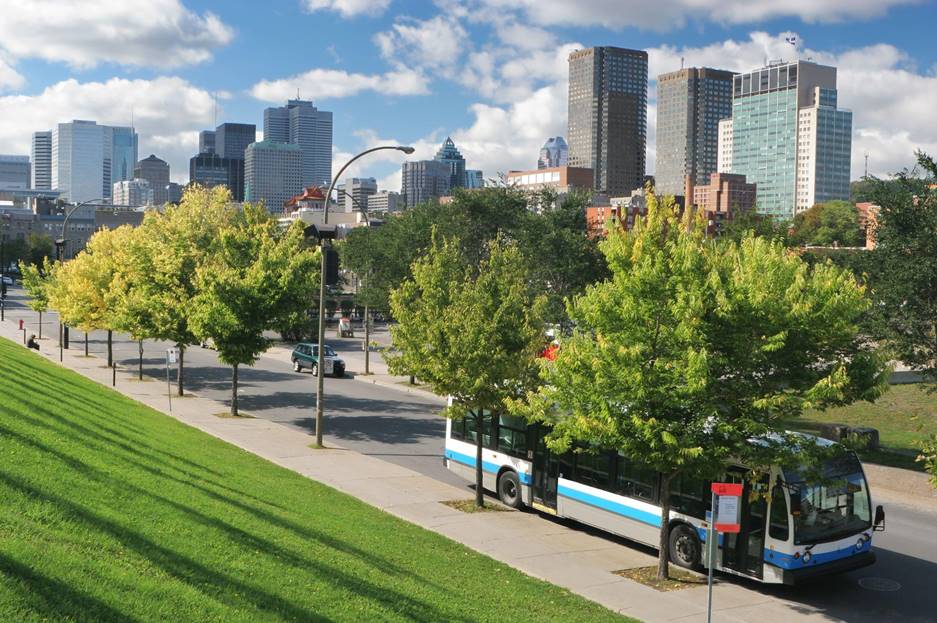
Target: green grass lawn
x,y
904,417
114,512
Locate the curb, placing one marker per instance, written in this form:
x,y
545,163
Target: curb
x,y
358,376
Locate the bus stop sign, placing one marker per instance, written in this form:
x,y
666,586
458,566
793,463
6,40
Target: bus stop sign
x,y
727,498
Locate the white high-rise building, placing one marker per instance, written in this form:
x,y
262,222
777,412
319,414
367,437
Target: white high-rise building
x,y
384,201
133,193
272,173
356,193
303,124
724,148
87,158
42,160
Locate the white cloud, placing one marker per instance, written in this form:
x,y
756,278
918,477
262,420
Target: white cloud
x,y
149,33
664,15
348,8
167,113
334,83
435,44
10,79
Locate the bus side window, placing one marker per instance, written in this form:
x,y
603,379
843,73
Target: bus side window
x,y
593,469
512,436
635,481
688,496
458,428
779,528
470,426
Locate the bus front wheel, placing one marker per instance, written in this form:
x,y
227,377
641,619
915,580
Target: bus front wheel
x,y
509,489
685,548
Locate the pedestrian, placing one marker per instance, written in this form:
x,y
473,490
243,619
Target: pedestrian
x,y
32,343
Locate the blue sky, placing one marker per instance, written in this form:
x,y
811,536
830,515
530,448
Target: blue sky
x,y
489,72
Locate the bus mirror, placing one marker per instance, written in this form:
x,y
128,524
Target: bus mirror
x,y
879,524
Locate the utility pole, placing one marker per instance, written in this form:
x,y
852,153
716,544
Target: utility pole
x,y
866,165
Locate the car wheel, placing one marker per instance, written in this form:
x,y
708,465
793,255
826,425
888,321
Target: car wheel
x,y
314,369
339,374
509,489
685,548
297,367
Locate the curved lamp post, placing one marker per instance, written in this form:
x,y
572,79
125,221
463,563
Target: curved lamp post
x,y
323,246
60,256
367,315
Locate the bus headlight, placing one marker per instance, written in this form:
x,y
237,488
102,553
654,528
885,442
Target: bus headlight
x,y
806,557
860,543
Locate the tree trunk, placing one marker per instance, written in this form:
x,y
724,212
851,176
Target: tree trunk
x,y
479,487
40,325
180,376
234,390
140,366
367,340
110,348
86,343
663,557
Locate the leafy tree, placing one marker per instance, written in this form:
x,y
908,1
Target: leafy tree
x,y
36,281
861,190
471,331
750,222
253,277
905,278
826,224
38,248
159,276
86,291
928,457
694,347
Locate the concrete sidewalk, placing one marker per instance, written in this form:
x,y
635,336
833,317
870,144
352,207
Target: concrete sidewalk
x,y
571,557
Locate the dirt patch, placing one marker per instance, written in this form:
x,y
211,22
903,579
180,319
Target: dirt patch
x,y
468,506
679,579
227,415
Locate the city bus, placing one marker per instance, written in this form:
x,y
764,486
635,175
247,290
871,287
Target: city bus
x,y
792,529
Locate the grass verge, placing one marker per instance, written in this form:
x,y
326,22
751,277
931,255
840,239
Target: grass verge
x,y
904,417
114,512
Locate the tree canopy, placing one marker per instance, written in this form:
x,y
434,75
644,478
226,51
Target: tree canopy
x,y
828,224
693,347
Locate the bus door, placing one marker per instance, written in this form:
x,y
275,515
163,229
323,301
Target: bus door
x,y
545,473
744,552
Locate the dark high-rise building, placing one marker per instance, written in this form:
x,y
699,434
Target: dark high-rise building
x,y
554,153
423,180
301,123
213,170
449,154
608,116
206,142
690,104
232,139
155,171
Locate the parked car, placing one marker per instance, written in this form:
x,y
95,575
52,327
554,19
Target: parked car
x,y
7,280
307,356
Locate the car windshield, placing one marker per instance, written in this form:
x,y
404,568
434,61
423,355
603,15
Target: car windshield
x,y
328,350
835,506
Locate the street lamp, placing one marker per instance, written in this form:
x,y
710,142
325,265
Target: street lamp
x,y
60,257
367,313
323,244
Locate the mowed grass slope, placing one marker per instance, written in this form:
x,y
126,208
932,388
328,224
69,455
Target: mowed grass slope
x,y
114,512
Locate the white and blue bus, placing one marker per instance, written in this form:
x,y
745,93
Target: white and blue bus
x,y
792,529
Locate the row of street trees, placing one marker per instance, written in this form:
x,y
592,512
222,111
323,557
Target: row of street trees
x,y
201,270
689,349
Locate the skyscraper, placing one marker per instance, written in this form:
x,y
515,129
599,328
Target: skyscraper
x,y
206,142
303,124
474,178
554,153
86,158
449,154
608,116
42,160
133,193
360,188
123,158
423,180
14,172
273,173
156,172
690,104
211,170
232,139
789,138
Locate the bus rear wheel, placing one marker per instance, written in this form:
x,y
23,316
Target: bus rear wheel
x,y
685,548
509,489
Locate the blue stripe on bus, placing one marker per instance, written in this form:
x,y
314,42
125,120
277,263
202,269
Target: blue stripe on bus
x,y
492,468
614,507
787,561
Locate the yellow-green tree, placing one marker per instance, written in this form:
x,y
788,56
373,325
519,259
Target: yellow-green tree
x,y
158,278
254,277
695,347
36,280
85,290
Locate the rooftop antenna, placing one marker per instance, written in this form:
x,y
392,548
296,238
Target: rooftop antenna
x,y
681,62
866,164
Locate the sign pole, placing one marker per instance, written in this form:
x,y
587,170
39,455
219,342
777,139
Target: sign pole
x,y
168,384
711,559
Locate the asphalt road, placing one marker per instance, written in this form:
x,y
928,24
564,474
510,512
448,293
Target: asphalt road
x,y
405,429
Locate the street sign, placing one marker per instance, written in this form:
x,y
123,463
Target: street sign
x,y
172,355
727,506
329,365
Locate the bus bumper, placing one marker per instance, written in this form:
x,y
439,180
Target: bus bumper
x,y
792,577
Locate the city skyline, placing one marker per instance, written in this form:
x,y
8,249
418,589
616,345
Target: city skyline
x,y
496,85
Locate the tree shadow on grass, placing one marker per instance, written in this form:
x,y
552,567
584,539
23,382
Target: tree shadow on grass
x,y
56,599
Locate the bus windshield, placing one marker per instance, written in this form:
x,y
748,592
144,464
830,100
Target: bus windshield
x,y
834,507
